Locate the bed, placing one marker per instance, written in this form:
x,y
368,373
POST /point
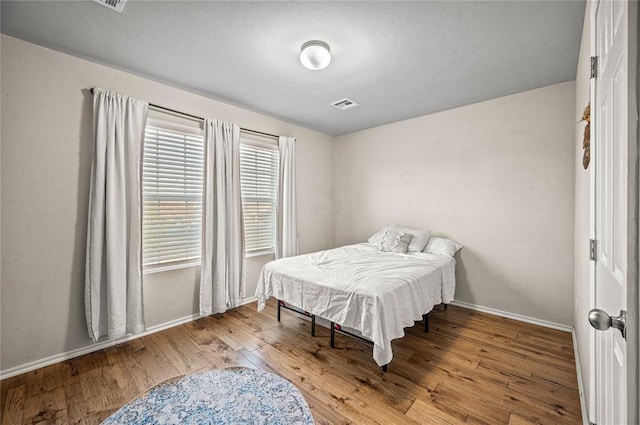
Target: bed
x,y
359,287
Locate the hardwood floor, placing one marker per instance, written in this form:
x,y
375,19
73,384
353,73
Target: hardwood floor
x,y
470,368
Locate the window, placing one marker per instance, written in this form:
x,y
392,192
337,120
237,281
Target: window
x,y
172,178
259,164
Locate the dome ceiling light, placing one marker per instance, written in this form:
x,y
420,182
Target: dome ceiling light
x,y
315,55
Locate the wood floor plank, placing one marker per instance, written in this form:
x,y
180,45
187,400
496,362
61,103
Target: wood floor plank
x,y
515,419
225,333
248,340
43,380
350,392
472,317
10,383
13,408
335,396
426,413
516,349
145,367
323,414
484,411
76,410
180,349
368,386
46,408
471,368
548,392
466,322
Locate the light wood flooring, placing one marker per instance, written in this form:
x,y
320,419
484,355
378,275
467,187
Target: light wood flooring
x,y
470,368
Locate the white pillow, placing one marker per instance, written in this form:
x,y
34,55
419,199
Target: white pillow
x,y
442,246
420,237
376,237
391,241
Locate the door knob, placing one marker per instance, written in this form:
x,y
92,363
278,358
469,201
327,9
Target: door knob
x,y
600,320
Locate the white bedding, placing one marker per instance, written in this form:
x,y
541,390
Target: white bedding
x,y
359,287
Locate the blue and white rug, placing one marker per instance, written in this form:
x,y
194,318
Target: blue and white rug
x,y
225,396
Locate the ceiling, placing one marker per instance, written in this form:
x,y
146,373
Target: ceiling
x,y
397,59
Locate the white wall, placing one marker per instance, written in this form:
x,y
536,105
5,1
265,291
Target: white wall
x,y
582,265
496,176
46,161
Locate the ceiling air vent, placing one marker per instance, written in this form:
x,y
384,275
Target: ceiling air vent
x,y
344,104
116,5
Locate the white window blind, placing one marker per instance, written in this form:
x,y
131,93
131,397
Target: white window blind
x,y
172,179
259,164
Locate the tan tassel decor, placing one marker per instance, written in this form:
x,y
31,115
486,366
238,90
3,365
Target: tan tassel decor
x,y
586,140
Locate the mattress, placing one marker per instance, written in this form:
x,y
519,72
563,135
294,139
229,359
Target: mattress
x,y
377,293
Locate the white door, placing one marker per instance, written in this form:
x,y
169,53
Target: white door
x,y
610,143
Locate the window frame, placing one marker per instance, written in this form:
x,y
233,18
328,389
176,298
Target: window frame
x,y
172,123
256,141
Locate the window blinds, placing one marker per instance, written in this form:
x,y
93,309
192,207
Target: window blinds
x,y
173,169
259,165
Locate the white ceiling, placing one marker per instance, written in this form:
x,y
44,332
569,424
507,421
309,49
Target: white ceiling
x,y
397,59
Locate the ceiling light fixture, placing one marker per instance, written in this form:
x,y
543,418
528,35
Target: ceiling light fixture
x,y
315,55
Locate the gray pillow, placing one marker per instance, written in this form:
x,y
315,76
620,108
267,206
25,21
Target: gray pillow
x,y
392,241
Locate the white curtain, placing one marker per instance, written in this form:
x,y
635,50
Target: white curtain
x,y
222,275
113,276
286,226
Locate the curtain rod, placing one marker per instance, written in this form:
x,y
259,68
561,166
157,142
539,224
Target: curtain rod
x,y
200,118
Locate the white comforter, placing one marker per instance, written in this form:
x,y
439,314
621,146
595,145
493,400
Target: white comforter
x,y
359,287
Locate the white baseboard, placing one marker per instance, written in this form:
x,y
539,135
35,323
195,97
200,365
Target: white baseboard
x,y
514,316
249,300
583,395
67,355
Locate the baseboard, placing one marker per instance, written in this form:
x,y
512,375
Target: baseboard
x,y
583,399
514,316
249,300
67,355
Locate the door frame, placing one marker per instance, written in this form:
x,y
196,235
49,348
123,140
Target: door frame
x,y
633,243
633,212
633,199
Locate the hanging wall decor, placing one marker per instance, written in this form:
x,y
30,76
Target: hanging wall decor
x,y
586,140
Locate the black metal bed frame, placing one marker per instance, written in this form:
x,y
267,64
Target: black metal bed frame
x,y
282,304
336,327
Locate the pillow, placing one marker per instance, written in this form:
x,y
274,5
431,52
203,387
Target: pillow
x,y
392,241
442,246
376,237
419,240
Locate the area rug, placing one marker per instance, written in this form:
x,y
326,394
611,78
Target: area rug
x,y
235,395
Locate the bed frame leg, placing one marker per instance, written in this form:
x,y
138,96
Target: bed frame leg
x,y
425,317
313,325
384,368
279,308
445,306
333,335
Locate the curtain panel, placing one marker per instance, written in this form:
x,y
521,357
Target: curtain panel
x,y
113,275
286,220
223,263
